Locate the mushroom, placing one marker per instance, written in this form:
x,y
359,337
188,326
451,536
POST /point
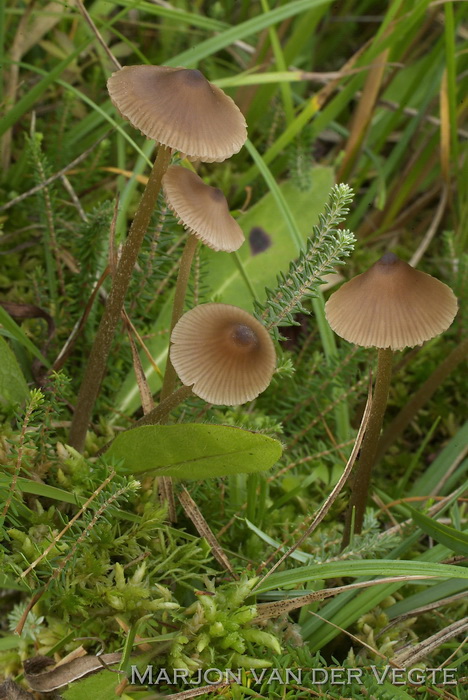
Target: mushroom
x,y
182,111
390,306
223,352
202,209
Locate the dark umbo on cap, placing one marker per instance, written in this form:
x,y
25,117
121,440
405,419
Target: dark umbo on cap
x,y
202,209
180,109
224,352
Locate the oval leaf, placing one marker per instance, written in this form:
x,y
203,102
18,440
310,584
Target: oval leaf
x,y
194,450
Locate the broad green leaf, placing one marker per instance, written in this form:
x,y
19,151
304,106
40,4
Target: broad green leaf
x,y
13,387
223,277
193,450
371,567
448,536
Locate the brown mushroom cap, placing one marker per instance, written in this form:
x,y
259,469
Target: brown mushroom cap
x,y
179,108
392,305
202,209
224,352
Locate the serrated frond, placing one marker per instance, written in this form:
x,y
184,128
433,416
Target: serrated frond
x,y
326,248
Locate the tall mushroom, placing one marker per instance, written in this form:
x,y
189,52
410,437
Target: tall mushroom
x,y
390,306
204,212
222,354
182,111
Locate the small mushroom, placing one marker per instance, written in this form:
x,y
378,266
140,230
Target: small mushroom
x,y
179,108
224,352
202,209
390,306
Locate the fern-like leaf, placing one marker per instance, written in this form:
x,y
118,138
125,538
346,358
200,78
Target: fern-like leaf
x,y
326,248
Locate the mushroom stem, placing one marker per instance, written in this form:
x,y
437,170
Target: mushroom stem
x,y
361,481
170,375
99,354
160,413
157,415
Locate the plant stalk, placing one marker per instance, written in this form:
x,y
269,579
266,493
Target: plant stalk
x,y
157,415
99,354
362,477
160,412
170,375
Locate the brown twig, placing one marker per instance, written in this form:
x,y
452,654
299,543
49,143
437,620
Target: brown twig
x,y
97,34
204,530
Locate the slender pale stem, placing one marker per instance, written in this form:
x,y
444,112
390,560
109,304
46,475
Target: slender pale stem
x,y
99,354
362,476
160,412
244,274
170,375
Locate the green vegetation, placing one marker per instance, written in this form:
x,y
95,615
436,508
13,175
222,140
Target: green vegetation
x,y
186,536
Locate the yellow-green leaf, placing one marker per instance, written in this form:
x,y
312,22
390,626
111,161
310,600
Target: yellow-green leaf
x,y
193,450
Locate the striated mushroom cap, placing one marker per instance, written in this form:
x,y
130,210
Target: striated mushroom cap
x,y
392,305
224,352
179,108
202,209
